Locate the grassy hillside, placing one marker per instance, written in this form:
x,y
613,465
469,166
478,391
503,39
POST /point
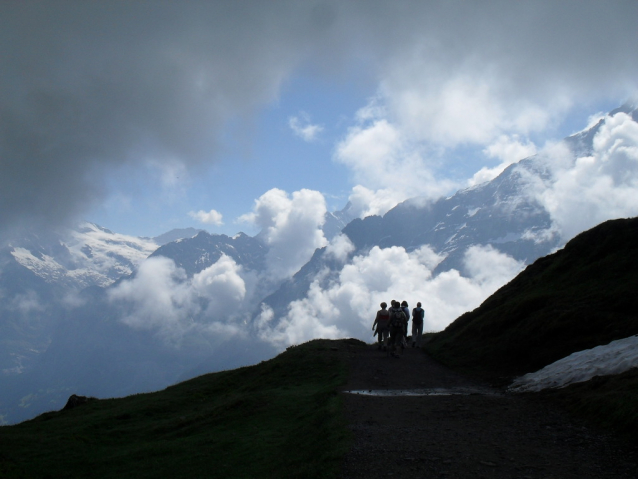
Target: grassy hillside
x,y
276,419
578,298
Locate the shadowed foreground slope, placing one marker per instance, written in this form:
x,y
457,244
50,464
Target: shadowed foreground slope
x,y
451,433
280,418
580,297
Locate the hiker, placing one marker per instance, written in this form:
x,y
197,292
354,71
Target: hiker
x,y
382,324
398,322
417,325
406,310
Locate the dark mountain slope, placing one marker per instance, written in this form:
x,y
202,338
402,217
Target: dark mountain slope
x,y
498,213
578,298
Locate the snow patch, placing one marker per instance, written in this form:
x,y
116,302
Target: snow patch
x,y
97,257
613,358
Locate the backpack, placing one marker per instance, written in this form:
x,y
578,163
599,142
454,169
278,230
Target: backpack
x,y
383,317
417,315
397,318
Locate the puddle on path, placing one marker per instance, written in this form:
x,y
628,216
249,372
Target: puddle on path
x,y
420,392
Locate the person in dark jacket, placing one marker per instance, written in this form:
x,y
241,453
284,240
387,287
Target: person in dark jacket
x,y
417,325
406,310
398,324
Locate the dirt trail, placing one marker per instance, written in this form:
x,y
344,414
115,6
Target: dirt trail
x,y
486,435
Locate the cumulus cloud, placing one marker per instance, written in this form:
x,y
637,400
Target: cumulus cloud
x,y
211,217
89,86
303,128
290,226
595,188
346,306
473,73
388,166
366,202
163,299
340,247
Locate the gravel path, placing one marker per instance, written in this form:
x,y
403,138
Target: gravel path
x,y
486,434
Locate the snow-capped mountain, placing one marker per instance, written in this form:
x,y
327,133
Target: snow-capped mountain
x,y
40,276
336,221
204,249
505,214
86,256
85,309
176,234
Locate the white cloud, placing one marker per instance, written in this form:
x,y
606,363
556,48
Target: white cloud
x,y
291,226
508,149
346,307
212,217
598,187
223,287
303,128
457,110
340,247
161,298
373,152
448,74
366,202
388,166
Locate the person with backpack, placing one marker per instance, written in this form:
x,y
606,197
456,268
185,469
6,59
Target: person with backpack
x,y
417,325
398,323
382,324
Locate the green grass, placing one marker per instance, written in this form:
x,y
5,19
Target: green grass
x,y
280,418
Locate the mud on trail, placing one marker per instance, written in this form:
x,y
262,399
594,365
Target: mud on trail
x,y
467,430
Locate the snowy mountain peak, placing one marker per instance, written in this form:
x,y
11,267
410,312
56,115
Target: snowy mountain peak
x,y
88,255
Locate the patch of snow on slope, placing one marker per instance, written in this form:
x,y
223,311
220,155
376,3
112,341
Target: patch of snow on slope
x,y
613,358
103,256
46,267
96,257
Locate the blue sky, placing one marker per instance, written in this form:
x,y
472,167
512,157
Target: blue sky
x,y
138,115
264,153
258,155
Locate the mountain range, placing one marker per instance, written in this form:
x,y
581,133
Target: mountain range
x,y
77,315
287,413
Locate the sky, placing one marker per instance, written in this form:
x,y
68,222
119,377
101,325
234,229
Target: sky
x,y
147,116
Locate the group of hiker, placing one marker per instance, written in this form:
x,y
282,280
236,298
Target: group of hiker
x,y
391,326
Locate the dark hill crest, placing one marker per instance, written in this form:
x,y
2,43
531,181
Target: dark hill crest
x,y
577,298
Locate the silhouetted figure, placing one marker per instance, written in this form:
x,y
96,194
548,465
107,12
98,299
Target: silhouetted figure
x,y
417,325
398,324
382,325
